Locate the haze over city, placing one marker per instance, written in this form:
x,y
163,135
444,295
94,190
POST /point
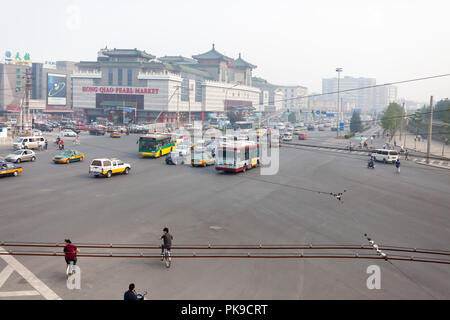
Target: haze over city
x,y
291,42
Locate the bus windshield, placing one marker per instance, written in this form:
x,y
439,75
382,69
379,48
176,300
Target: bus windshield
x,y
146,144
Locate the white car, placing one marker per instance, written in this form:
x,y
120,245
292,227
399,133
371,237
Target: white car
x,y
68,133
287,137
107,167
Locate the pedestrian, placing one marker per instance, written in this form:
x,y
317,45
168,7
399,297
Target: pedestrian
x,y
397,165
46,144
406,154
395,143
77,139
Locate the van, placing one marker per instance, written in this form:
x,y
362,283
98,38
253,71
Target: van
x,y
29,143
385,155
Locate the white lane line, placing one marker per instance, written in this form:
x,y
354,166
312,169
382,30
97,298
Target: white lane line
x,y
4,275
18,293
37,284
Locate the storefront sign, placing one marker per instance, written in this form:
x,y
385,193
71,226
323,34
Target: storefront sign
x,y
120,90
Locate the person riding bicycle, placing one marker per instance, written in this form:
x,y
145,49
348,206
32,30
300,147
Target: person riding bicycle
x,y
70,252
131,293
167,241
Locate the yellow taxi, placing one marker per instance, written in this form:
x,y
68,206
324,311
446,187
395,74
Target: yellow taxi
x,y
9,169
69,156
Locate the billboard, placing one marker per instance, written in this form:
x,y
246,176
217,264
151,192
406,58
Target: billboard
x,y
56,89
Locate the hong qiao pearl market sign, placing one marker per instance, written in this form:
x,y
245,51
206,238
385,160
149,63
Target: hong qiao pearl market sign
x,y
120,90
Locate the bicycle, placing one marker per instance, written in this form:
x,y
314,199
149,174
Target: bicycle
x,y
166,257
70,269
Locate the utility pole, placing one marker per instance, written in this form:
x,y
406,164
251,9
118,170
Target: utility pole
x,y
430,130
189,101
178,107
338,70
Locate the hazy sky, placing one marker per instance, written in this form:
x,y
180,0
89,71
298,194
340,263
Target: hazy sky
x,y
291,42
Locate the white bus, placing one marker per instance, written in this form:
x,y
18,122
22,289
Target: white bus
x,y
237,155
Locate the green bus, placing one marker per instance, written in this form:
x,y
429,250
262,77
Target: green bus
x,y
156,145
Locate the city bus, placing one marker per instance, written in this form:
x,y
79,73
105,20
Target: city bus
x,y
156,145
237,155
243,125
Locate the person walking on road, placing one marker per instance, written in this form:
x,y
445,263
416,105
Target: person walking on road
x,y
167,242
46,144
397,165
406,154
77,139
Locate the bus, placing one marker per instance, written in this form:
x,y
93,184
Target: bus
x,y
156,145
243,125
237,155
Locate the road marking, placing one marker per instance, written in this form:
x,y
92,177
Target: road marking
x,y
37,284
18,293
4,275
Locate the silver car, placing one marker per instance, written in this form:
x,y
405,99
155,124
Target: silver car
x,y
21,155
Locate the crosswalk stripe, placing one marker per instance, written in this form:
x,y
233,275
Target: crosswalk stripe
x,y
19,293
4,275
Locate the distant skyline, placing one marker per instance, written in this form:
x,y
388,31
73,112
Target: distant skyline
x,y
291,42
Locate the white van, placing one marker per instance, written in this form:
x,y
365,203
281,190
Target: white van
x,y
385,155
29,143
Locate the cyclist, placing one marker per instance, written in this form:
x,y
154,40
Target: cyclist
x,y
167,242
131,293
70,254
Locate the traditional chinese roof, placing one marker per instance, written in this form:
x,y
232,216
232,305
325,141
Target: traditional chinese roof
x,y
212,54
239,62
177,59
127,52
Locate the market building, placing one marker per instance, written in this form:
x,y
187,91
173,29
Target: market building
x,y
130,85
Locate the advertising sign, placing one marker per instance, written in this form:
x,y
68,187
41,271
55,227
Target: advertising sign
x,y
56,89
341,126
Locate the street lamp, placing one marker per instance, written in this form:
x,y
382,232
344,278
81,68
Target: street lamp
x,y
338,70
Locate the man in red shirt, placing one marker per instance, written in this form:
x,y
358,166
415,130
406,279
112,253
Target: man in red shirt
x,y
70,252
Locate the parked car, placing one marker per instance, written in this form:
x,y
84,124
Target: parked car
x,y
68,133
21,155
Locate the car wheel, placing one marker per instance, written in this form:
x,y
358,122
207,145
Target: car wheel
x,y
33,158
15,174
18,161
127,170
109,174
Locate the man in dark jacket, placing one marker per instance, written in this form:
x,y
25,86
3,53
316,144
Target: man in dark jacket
x,y
130,294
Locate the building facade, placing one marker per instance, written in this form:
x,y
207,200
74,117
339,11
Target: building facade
x,y
129,85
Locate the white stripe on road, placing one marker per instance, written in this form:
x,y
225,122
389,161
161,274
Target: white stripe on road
x,y
4,275
18,293
37,284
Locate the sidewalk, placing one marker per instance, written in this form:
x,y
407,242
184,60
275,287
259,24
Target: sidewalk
x,y
421,146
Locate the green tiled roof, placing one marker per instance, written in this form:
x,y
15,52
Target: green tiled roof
x,y
212,55
128,52
239,62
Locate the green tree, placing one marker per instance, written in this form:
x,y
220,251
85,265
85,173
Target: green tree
x,y
392,119
355,123
442,110
292,118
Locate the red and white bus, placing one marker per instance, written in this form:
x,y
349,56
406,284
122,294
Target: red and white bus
x,y
237,155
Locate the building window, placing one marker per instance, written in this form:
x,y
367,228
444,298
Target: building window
x,y
130,77
110,77
198,90
119,77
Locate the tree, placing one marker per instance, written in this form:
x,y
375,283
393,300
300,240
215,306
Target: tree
x,y
442,110
292,118
392,119
355,123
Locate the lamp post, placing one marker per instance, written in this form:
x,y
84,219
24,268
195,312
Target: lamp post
x,y
338,70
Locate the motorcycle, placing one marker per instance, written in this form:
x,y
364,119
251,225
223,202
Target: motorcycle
x,y
371,165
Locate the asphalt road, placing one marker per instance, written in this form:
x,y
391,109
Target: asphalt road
x,y
48,203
